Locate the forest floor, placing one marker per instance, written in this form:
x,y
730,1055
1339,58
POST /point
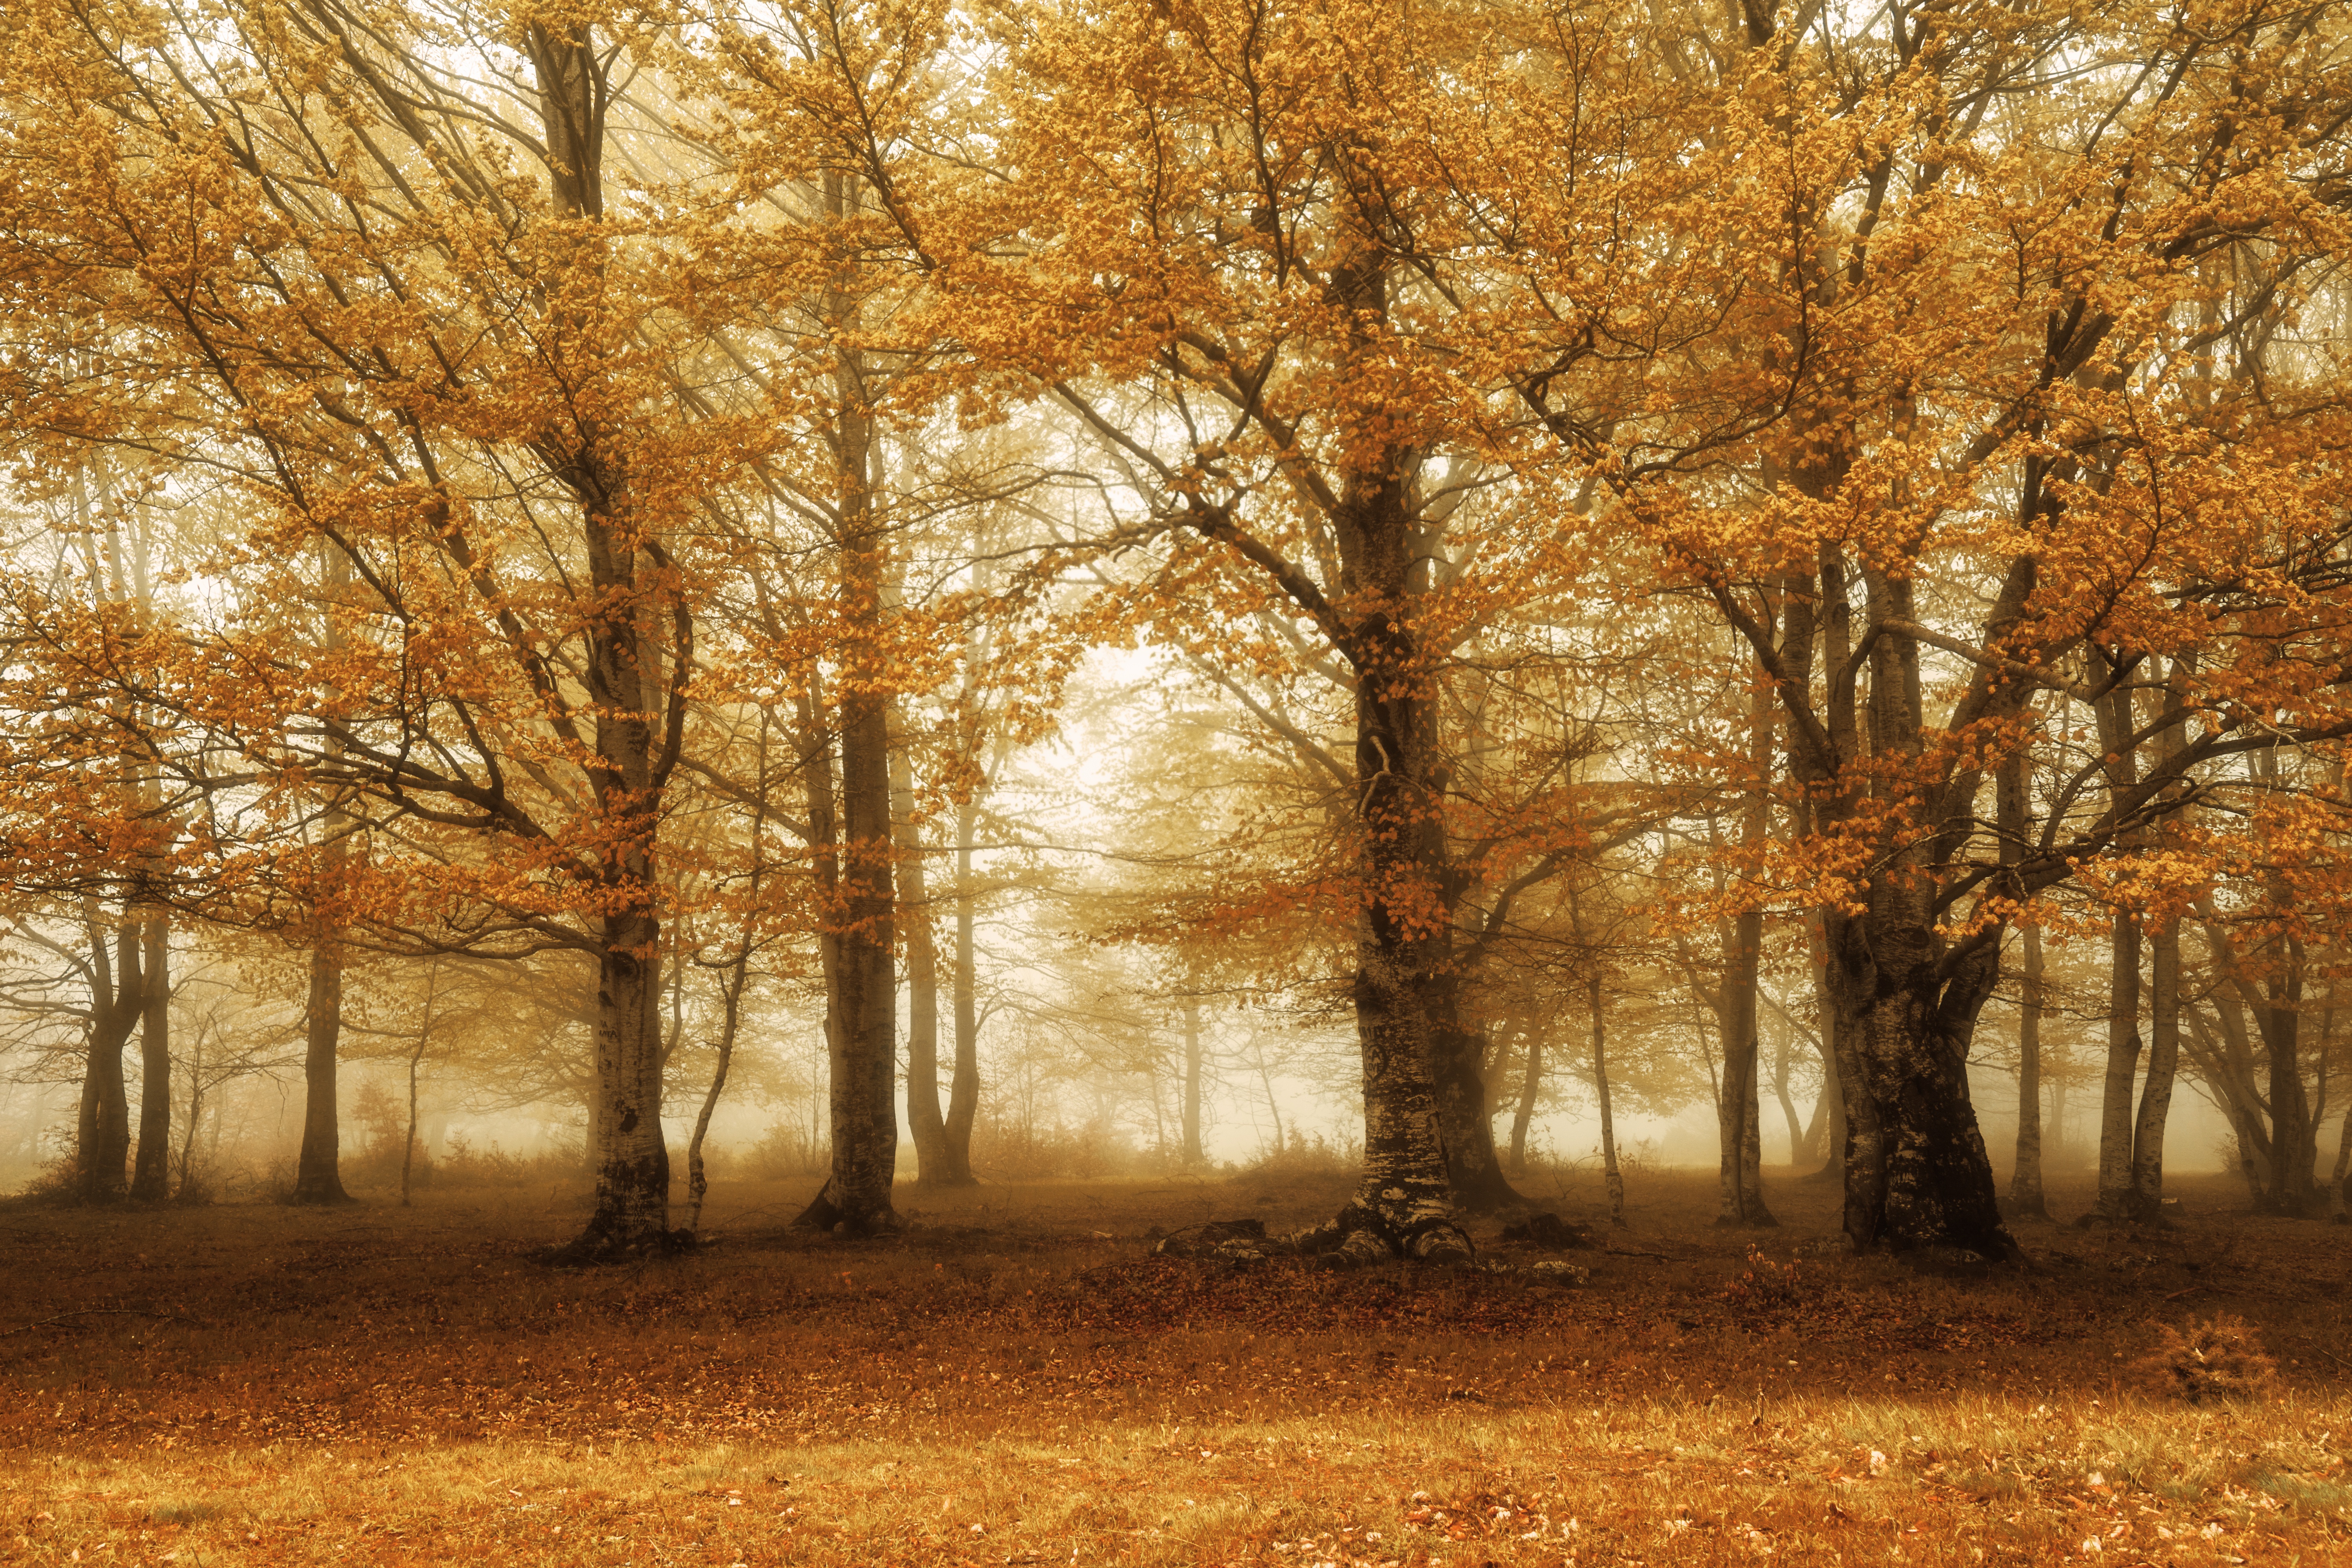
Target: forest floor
x,y
1017,1381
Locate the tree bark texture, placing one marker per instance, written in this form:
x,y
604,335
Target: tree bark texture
x,y
103,1144
2146,1203
318,1171
150,1175
1738,1120
861,1017
2025,1194
925,1121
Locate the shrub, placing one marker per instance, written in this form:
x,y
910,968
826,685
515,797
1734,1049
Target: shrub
x,y
2210,1363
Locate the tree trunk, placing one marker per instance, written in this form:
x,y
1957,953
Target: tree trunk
x,y
2163,1061
963,1090
1612,1179
2290,1190
103,1148
1780,1065
318,1174
1530,1086
863,1016
924,1120
151,1178
415,1060
1466,1115
1916,1170
2025,1196
731,1002
1738,1120
2123,1067
1192,1153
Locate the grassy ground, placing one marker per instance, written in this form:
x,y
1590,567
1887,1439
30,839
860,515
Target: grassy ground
x,y
1015,1381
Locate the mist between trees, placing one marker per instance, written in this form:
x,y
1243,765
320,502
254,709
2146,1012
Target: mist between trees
x,y
1086,572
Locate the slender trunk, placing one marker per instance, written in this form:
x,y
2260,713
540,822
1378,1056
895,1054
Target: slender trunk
x,y
731,1018
1611,1177
2025,1194
2123,1067
1827,1138
924,1120
195,1110
2014,807
151,1178
318,1173
415,1060
1530,1086
1737,1117
1192,1152
1273,1101
1738,1110
963,1089
1781,1092
2163,1061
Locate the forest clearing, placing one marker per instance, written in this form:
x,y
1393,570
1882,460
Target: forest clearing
x,y
1016,1379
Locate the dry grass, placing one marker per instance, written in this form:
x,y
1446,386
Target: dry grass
x,y
1015,1381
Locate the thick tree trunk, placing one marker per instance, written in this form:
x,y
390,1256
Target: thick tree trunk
x,y
150,1177
1192,1153
1917,1171
318,1172
2163,1061
2290,1190
103,1147
862,1019
2025,1194
1467,1113
1612,1179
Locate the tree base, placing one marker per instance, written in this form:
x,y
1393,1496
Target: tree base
x,y
595,1248
825,1212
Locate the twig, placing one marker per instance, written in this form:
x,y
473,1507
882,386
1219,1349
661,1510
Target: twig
x,y
2190,1291
96,1313
1629,1252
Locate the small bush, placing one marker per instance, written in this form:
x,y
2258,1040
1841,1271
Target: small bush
x,y
1767,1288
1304,1156
2210,1363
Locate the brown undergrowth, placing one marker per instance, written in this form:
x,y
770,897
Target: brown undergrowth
x,y
1017,1381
